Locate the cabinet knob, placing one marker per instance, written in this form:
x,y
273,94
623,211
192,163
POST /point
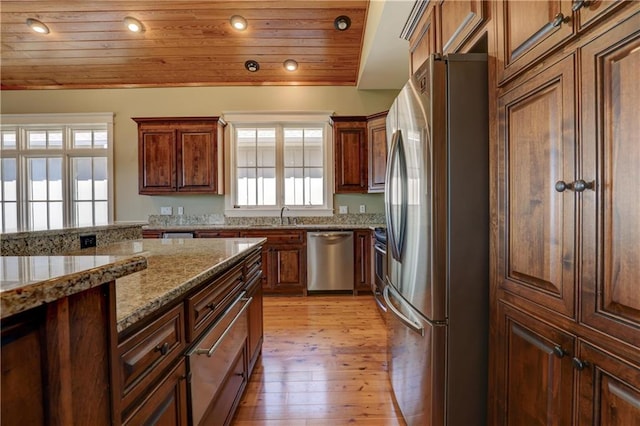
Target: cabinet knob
x,y
163,349
561,186
579,4
580,185
558,351
210,306
559,19
579,364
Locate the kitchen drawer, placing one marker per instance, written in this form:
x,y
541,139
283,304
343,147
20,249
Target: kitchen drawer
x,y
253,266
217,234
207,304
284,236
144,356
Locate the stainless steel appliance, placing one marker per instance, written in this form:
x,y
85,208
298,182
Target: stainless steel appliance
x,y
436,201
330,261
220,350
379,266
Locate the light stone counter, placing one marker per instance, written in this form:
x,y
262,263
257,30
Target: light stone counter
x,y
174,267
30,281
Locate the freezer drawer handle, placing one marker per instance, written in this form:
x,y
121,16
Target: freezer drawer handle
x,y
209,352
413,325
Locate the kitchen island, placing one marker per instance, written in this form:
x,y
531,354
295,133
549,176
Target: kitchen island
x,y
101,340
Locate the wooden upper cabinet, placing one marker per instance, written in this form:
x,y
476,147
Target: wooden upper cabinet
x,y
350,151
611,162
535,372
180,155
537,150
590,11
423,42
458,20
528,30
377,141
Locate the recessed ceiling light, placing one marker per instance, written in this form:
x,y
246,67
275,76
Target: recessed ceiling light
x,y
290,65
238,22
342,23
252,66
133,25
37,26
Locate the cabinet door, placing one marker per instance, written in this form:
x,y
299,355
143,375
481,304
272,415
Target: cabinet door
x,y
362,257
590,11
165,405
535,377
527,30
351,156
157,161
196,160
458,21
536,150
425,42
288,269
609,389
611,158
256,334
217,234
377,138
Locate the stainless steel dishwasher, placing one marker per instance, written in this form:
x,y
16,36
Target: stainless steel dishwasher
x,y
329,261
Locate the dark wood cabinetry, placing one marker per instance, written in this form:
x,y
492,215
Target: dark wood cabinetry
x,y
350,152
422,36
362,261
180,155
566,313
377,151
284,261
458,21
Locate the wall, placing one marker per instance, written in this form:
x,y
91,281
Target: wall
x,y
192,101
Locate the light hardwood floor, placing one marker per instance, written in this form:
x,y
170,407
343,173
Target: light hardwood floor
x,y
323,363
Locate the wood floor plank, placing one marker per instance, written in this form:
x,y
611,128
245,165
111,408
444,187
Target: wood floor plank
x,y
323,363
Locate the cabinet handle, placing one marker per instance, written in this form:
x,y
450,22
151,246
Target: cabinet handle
x,y
578,186
163,349
579,364
559,19
558,351
579,4
211,306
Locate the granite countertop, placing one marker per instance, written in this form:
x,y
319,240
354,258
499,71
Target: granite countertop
x,y
174,266
30,281
302,227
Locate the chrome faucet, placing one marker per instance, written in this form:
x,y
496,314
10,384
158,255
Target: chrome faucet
x,y
281,215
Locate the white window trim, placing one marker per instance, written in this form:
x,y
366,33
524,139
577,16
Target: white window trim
x,y
43,120
238,118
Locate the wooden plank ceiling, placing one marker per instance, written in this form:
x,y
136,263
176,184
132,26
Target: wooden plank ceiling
x,y
185,43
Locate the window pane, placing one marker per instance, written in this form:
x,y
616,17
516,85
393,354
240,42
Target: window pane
x,y
9,179
100,184
246,147
314,187
9,139
293,187
10,217
38,216
37,139
37,178
82,178
82,139
101,209
100,139
55,215
313,156
266,148
55,178
246,187
55,139
267,187
84,213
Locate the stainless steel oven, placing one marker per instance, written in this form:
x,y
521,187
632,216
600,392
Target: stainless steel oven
x,y
379,266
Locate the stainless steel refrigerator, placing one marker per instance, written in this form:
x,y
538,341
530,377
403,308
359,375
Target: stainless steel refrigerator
x,y
436,200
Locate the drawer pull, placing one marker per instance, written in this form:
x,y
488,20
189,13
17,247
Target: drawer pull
x,y
558,351
163,349
559,20
579,4
579,364
209,352
211,306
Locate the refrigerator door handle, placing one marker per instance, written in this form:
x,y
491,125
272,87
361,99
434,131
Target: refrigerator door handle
x,y
413,325
397,164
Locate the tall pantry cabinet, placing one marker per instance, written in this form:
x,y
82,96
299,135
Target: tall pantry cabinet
x,y
566,288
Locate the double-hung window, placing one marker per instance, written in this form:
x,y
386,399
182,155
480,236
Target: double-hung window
x,y
55,171
280,160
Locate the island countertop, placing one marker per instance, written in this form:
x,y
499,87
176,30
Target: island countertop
x,y
30,281
174,266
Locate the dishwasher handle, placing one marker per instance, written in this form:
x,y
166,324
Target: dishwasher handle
x,y
330,235
209,352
